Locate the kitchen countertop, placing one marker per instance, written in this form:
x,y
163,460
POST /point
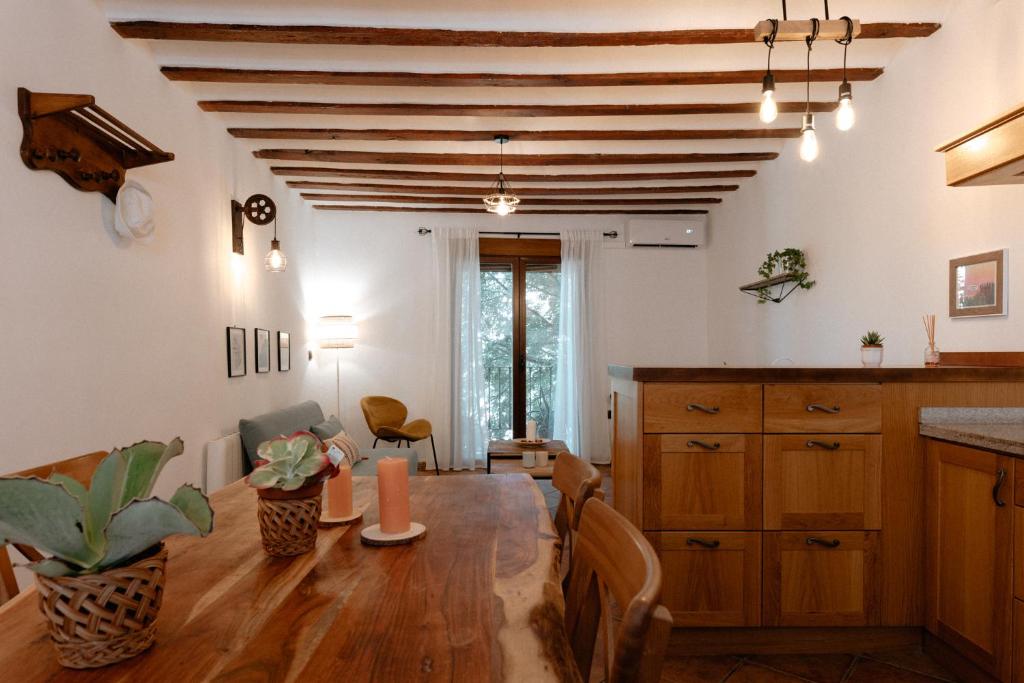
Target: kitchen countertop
x,y
996,429
767,374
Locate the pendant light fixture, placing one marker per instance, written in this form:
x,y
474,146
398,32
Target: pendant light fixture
x,y
845,116
275,260
769,109
502,199
808,137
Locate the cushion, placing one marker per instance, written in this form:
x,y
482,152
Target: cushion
x,y
286,421
328,428
347,445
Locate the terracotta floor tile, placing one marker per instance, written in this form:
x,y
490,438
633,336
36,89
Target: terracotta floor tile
x,y
914,660
697,669
752,673
871,671
817,668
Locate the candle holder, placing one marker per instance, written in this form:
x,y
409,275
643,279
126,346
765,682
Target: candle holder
x,y
326,521
372,535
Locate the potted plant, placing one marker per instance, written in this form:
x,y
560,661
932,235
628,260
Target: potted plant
x,y
788,265
871,350
289,479
101,586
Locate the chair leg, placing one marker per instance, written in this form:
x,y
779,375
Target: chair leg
x,y
437,470
375,442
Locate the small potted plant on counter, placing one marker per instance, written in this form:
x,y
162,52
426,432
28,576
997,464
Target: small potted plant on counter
x,y
871,349
289,479
101,587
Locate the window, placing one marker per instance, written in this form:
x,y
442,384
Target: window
x,y
519,313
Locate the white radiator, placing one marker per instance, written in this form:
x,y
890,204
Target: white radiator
x,y
223,462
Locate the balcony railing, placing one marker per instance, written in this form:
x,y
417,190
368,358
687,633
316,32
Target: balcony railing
x,y
540,387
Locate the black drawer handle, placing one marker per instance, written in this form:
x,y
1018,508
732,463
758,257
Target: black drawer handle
x,y
703,444
813,540
713,410
1000,477
823,408
834,446
703,542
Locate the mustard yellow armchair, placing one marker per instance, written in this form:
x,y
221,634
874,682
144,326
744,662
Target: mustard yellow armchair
x,y
385,416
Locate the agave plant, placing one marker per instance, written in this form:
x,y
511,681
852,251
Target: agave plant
x,y
115,519
872,338
290,463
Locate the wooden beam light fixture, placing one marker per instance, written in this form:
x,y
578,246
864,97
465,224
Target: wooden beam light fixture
x,y
792,31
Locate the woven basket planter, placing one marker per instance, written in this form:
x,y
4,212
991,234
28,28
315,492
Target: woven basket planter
x,y
288,519
100,619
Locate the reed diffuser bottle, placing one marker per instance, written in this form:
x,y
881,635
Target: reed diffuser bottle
x,y
931,352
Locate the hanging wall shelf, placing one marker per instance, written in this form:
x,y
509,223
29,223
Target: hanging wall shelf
x,y
774,288
86,146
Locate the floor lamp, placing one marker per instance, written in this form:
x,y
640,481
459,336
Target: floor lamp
x,y
338,332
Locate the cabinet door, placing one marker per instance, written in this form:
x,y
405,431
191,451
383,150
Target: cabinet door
x,y
1018,641
710,578
702,481
821,578
969,539
823,481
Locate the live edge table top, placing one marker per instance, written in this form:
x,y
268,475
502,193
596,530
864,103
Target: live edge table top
x,y
476,599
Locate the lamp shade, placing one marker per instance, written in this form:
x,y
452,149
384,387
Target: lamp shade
x,y
338,332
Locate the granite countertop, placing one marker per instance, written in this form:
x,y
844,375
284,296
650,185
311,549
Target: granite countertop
x,y
783,374
996,429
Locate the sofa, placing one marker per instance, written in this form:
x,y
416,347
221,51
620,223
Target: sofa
x,y
305,416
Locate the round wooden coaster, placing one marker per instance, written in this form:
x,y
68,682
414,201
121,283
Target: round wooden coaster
x,y
326,521
372,535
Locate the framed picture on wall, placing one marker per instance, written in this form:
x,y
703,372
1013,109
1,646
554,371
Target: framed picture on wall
x,y
236,351
262,350
977,285
284,351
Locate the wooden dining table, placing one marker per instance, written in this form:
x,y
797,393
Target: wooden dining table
x,y
475,599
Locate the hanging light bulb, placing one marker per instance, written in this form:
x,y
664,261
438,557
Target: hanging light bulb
x,y
502,199
808,139
845,116
769,108
275,261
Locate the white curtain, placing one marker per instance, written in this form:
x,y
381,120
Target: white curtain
x,y
580,417
459,393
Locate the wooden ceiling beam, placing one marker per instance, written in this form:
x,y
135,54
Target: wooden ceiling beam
x,y
459,209
508,110
429,37
448,176
513,160
565,201
418,134
479,80
521,191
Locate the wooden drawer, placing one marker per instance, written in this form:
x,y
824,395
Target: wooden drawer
x,y
702,481
704,408
823,481
818,408
710,578
821,578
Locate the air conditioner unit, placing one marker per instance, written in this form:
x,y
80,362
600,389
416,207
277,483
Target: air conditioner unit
x,y
687,233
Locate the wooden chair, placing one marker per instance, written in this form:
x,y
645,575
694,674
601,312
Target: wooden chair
x,y
385,417
614,564
578,481
80,469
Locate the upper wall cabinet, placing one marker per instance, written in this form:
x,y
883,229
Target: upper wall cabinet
x,y
990,155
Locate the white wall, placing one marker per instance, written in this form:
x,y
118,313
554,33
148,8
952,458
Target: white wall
x,y
874,215
105,345
375,267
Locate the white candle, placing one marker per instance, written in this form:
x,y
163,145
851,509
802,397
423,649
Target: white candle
x,y
531,430
542,458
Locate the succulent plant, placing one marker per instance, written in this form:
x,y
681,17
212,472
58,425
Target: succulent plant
x,y
111,522
290,463
872,338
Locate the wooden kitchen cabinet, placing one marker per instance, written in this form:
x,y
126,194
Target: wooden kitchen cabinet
x,y
823,481
969,585
702,481
710,578
821,578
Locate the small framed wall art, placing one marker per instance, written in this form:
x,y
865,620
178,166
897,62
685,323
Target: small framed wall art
x,y
284,351
977,285
262,350
236,351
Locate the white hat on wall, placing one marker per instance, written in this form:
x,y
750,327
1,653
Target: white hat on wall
x,y
133,213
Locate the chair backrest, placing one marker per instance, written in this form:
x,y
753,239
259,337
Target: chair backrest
x,y
614,564
80,469
578,482
383,411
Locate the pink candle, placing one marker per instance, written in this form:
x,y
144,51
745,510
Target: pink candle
x,y
339,493
393,494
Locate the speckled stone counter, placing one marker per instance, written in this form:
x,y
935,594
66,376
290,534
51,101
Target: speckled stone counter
x,y
996,429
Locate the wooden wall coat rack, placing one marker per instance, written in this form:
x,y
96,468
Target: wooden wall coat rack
x,y
82,143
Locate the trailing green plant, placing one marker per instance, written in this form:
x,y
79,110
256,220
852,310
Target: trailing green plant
x,y
290,463
872,338
786,262
88,530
